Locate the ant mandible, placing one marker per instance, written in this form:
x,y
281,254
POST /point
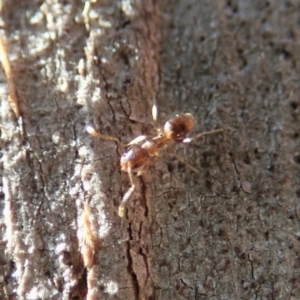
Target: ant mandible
x,y
141,150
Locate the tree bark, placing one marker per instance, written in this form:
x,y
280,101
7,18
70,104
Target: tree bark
x,y
229,231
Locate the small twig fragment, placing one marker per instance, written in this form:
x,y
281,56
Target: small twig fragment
x,y
89,241
12,96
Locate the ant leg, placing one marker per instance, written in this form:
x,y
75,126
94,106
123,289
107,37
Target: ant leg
x,y
143,169
137,140
188,140
96,134
181,159
127,195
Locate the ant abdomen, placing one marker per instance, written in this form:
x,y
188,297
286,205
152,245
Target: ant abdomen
x,y
178,127
134,158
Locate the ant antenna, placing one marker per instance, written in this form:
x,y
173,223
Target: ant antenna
x,y
188,140
94,133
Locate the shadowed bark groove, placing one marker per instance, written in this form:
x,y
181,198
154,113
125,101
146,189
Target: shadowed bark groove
x,y
230,231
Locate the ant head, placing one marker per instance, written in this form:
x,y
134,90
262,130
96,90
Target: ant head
x,y
178,127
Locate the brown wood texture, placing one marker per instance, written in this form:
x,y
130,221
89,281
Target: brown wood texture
x,y
230,231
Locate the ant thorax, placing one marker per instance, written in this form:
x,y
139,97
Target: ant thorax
x,y
152,145
133,158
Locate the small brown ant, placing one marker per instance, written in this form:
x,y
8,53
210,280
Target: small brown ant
x,y
141,150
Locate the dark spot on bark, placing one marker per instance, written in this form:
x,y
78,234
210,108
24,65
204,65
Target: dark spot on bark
x,y
297,158
243,256
257,154
170,168
247,159
78,106
271,168
267,235
66,258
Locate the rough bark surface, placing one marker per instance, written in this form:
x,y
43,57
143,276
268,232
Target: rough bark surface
x,y
230,231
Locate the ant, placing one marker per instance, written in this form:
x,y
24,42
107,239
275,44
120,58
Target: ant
x,y
140,151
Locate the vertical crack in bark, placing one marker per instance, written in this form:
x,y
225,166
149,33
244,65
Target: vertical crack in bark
x,y
143,195
238,174
252,268
80,289
130,267
145,258
143,253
